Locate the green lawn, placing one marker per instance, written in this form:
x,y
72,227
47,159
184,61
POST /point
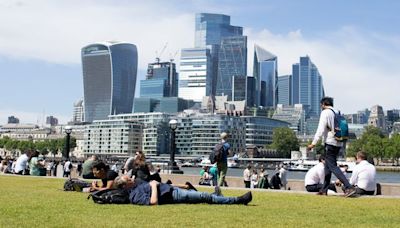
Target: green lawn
x,y
40,202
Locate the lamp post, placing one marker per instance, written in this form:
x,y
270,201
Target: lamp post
x,y
68,131
173,124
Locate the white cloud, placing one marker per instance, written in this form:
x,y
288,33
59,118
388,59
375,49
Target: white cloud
x,y
359,68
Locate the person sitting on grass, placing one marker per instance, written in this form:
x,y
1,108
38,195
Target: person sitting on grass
x,y
315,177
363,176
107,176
154,193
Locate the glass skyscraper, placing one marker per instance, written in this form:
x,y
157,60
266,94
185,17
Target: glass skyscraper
x,y
285,90
265,72
161,81
232,61
195,79
310,86
109,79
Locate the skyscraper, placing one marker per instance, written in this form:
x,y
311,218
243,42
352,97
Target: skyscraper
x,y
265,69
211,28
310,85
161,80
195,79
285,90
78,112
232,61
109,79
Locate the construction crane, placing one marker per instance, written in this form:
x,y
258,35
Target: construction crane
x,y
158,55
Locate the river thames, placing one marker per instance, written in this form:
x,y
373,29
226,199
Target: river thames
x,y
381,177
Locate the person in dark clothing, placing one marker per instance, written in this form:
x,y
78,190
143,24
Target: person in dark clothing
x,y
79,168
140,169
107,176
276,181
153,193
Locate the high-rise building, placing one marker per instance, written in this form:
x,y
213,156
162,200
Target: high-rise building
x,y
78,112
310,86
195,79
251,92
161,80
13,120
285,90
199,65
239,88
109,79
265,73
211,28
232,61
51,120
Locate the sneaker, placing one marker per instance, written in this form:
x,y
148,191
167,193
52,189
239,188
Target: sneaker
x,y
245,199
217,191
350,192
190,186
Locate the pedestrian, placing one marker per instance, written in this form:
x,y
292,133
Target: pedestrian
x,y
247,176
79,168
276,181
326,131
283,175
222,165
67,168
254,179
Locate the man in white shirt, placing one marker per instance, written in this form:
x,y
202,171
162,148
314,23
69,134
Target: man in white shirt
x,y
283,175
363,176
246,176
314,180
326,131
22,163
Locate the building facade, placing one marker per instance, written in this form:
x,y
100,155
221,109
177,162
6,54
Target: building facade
x,y
265,73
13,120
285,89
109,79
161,80
78,114
295,115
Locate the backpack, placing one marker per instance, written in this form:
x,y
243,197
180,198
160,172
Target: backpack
x,y
341,128
110,196
74,184
70,166
216,154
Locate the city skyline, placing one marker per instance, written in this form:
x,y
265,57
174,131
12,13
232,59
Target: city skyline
x,y
354,46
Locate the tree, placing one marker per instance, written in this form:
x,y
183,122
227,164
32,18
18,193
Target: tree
x,y
284,140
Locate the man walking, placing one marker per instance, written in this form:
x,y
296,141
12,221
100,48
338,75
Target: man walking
x,y
326,131
222,165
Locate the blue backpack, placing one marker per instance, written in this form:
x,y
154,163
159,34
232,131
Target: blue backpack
x,y
341,127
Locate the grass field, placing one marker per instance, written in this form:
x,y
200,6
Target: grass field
x,y
40,202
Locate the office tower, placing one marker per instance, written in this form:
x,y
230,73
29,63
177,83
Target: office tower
x,y
250,92
161,80
232,61
265,72
285,90
239,88
78,112
195,79
211,28
13,120
295,83
51,120
109,79
310,86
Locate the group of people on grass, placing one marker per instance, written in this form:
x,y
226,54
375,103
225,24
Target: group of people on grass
x,y
254,178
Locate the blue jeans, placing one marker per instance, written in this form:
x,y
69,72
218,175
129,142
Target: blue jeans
x,y
331,153
189,196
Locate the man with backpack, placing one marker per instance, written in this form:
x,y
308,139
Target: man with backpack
x,y
222,163
329,131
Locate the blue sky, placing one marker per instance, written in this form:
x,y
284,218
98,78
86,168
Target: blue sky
x,y
355,45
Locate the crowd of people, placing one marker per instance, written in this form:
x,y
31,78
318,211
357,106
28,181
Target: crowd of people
x,y
254,178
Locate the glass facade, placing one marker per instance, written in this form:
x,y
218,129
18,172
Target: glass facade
x,y
195,79
285,90
311,88
109,79
239,88
153,88
232,61
161,81
265,72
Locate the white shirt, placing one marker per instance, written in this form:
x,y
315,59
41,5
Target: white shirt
x,y
282,175
246,175
21,163
363,176
316,175
327,118
66,166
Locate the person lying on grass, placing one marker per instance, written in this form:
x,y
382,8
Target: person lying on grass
x,y
107,176
153,193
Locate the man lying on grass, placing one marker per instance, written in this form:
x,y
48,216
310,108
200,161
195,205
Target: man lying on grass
x,y
153,193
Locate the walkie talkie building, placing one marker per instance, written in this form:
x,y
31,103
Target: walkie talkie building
x,y
109,79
